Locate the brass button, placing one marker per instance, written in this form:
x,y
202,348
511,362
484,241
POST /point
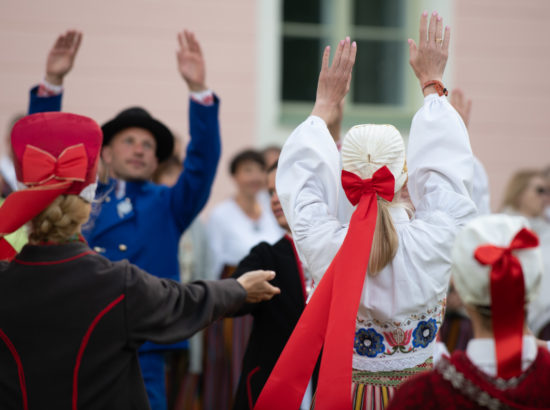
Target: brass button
x,y
108,199
122,247
99,249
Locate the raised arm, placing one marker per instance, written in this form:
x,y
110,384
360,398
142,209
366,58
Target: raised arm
x,y
192,190
308,175
440,159
47,96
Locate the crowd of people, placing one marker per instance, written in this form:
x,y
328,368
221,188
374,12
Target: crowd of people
x,y
342,273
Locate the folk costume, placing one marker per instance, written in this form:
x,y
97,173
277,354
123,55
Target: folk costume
x,y
141,221
274,320
73,342
497,269
375,331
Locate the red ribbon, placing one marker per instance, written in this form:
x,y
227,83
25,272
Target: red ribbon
x,y
40,166
507,300
48,177
328,321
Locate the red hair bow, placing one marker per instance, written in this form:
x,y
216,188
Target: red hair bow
x,y
507,299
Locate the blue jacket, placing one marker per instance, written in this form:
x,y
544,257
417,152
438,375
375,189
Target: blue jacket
x,y
145,224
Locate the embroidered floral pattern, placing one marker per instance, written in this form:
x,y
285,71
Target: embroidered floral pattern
x,y
368,342
424,333
376,338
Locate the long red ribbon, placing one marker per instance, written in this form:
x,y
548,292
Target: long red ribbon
x,y
507,300
328,321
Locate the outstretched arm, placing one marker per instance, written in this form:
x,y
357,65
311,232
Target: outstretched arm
x,y
47,96
192,190
440,157
308,176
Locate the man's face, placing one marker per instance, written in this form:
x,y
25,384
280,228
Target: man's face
x,y
275,204
131,155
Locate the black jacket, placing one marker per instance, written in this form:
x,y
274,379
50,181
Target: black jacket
x,y
274,320
71,322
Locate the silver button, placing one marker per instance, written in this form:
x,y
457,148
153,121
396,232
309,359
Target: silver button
x,y
122,247
99,249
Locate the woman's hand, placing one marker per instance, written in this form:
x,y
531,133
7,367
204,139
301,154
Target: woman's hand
x,y
257,286
334,81
429,58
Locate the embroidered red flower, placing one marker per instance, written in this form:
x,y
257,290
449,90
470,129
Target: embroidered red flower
x,y
398,337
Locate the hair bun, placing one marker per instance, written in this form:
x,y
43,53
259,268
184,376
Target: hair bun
x,y
368,147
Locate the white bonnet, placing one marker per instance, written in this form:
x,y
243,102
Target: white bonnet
x,y
368,147
471,278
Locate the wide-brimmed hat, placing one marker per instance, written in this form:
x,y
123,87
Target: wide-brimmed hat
x,y
55,153
139,117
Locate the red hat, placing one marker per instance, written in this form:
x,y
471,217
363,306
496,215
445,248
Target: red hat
x,y
54,154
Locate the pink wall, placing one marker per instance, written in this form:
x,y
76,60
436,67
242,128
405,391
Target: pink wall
x,y
127,58
501,61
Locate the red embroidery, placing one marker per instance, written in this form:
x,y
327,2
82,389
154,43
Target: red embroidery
x,y
72,258
20,372
85,342
249,388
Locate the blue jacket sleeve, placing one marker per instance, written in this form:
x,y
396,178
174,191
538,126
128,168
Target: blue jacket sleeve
x,y
192,190
43,104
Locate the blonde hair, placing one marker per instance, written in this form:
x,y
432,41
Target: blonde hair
x,y
385,240
60,220
516,186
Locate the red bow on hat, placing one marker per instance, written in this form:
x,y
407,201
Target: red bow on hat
x,y
40,167
328,321
507,300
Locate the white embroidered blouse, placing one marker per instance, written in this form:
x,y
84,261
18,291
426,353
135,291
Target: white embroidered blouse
x,y
402,307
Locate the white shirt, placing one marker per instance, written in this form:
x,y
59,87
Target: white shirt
x,y
233,234
401,308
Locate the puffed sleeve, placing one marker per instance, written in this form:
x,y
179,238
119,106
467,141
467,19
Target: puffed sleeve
x,y
441,163
308,186
164,311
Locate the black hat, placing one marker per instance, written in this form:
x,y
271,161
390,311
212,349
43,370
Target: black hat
x,y
138,117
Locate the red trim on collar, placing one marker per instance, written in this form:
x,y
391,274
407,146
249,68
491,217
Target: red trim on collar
x,y
84,343
298,264
72,258
20,372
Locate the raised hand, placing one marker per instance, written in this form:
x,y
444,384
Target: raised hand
x,y
62,55
191,61
429,58
461,105
257,286
334,81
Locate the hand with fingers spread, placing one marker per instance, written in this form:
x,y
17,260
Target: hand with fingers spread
x,y
191,63
334,80
429,58
462,105
257,286
62,55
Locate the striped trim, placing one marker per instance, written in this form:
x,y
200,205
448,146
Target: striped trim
x,y
390,378
20,372
84,343
72,258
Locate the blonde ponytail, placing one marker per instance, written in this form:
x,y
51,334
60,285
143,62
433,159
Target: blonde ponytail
x,y
385,240
60,220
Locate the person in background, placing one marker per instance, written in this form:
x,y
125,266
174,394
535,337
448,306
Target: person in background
x,y
271,155
497,269
234,227
275,320
74,342
136,219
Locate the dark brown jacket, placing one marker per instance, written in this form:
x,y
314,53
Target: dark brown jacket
x,y
71,322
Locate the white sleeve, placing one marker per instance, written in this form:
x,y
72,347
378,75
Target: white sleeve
x,y
480,190
308,186
441,163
